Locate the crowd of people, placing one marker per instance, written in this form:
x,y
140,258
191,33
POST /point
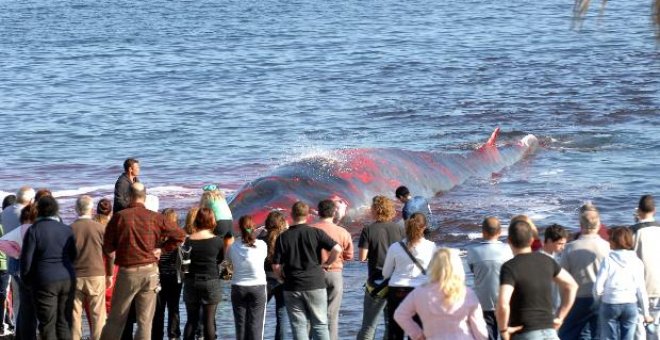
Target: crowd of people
x,y
126,264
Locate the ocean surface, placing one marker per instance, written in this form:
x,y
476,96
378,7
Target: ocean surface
x,y
225,91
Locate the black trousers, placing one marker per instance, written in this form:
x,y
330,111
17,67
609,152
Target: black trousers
x,y
491,324
249,305
168,297
395,296
26,319
53,303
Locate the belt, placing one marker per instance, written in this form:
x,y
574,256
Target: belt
x,y
202,277
138,268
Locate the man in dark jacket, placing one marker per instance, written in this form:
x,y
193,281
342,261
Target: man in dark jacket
x,y
123,185
47,257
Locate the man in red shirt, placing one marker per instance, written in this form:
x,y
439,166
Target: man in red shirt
x,y
134,235
333,272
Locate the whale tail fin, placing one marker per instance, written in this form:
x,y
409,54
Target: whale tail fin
x,y
493,138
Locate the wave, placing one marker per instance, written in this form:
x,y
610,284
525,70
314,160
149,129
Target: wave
x,y
108,190
82,191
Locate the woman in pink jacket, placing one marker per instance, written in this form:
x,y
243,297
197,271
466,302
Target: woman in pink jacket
x,y
447,308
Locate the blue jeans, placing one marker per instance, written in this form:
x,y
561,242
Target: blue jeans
x,y
372,308
276,289
308,305
618,321
491,325
582,321
539,334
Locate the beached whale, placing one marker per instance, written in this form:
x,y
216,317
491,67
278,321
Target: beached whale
x,y
356,175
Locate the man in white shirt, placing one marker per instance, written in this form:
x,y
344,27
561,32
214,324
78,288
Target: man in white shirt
x,y
647,246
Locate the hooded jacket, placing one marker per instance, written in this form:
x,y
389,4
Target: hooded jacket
x,y
620,279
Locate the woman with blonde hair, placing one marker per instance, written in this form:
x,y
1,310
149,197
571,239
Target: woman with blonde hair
x,y
405,267
214,199
447,308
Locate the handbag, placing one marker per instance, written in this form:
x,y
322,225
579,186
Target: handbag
x,y
182,263
226,270
378,289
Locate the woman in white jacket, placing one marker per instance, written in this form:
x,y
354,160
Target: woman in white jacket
x,y
405,267
620,287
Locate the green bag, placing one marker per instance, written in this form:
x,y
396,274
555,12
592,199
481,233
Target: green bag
x,y
378,290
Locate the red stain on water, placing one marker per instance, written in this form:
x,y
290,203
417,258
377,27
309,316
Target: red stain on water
x,y
361,168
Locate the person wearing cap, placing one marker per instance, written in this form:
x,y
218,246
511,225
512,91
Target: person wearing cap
x,y
133,234
412,204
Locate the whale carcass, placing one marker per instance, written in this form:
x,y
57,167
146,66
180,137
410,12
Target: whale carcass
x,y
356,175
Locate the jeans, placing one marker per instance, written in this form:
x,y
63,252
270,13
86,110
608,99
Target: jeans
x,y
371,310
539,334
491,324
53,303
334,282
249,306
582,321
304,306
275,289
618,321
168,298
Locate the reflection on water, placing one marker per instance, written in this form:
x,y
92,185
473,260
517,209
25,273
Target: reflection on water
x,y
580,9
655,13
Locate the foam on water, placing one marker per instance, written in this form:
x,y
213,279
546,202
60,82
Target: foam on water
x,y
83,191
